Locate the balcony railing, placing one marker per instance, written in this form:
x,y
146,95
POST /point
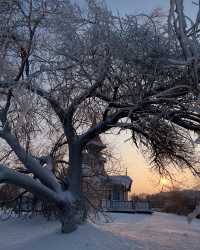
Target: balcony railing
x,y
126,206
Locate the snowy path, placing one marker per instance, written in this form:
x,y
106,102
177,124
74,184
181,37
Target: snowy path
x,y
126,232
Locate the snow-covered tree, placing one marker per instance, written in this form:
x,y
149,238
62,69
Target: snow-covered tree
x,y
66,67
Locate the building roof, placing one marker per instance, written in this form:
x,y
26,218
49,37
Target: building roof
x,y
96,144
123,180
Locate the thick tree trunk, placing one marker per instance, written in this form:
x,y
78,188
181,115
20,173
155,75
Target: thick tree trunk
x,y
74,172
73,217
68,220
69,201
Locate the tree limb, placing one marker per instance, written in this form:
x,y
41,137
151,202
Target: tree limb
x,y
24,181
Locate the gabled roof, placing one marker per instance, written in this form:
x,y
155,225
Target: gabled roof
x,y
123,180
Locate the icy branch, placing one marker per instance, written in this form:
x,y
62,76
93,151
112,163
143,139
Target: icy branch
x,y
44,175
24,181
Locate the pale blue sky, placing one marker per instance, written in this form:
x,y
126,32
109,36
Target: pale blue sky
x,y
144,6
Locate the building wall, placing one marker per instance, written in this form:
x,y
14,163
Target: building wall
x,y
109,189
95,188
93,170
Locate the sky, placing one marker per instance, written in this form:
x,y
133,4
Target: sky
x,y
143,6
144,179
132,6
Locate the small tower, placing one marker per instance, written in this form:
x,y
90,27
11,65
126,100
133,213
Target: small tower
x,y
93,159
96,145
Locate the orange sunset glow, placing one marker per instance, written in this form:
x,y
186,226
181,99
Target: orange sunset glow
x,y
145,179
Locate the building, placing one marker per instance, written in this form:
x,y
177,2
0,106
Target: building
x,y
98,186
118,187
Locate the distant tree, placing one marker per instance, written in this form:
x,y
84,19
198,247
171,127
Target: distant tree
x,y
133,73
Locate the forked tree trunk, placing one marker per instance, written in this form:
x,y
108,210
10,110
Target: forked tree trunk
x,y
69,201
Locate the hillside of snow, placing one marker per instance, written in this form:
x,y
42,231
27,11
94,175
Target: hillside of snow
x,y
126,232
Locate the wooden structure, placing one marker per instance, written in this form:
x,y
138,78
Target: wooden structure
x,y
117,187
93,171
117,199
104,191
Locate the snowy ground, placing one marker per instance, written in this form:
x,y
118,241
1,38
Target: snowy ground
x,y
127,232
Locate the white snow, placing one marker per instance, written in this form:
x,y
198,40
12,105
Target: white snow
x,y
126,232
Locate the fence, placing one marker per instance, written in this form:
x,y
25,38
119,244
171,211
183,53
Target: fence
x,y
132,206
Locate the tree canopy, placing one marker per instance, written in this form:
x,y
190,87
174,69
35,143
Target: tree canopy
x,y
68,75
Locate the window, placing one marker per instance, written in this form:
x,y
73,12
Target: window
x,y
115,195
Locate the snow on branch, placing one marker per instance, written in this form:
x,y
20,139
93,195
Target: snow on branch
x,y
24,181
